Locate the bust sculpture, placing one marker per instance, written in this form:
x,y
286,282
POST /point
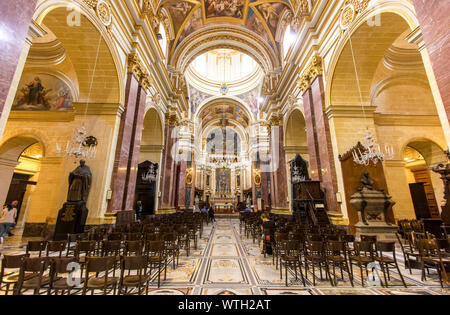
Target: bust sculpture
x,y
80,181
367,181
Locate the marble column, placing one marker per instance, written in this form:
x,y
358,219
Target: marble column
x,y
327,167
278,167
434,22
135,146
182,188
126,151
15,19
311,135
168,167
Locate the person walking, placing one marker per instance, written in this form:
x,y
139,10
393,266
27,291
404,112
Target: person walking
x,y
212,218
7,219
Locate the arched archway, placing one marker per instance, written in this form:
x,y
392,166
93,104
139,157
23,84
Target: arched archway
x,y
371,77
150,154
295,140
420,156
20,163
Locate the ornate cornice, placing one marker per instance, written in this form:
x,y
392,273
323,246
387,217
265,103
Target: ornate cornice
x,y
276,120
311,73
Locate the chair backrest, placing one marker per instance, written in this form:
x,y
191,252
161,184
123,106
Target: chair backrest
x,y
133,247
34,264
84,247
316,247
134,262
99,264
365,248
386,247
59,265
36,246
336,247
13,261
115,236
56,247
368,238
111,246
154,247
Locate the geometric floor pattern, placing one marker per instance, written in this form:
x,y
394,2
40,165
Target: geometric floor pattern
x,y
227,263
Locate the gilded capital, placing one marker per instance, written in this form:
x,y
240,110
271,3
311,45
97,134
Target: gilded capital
x,y
311,73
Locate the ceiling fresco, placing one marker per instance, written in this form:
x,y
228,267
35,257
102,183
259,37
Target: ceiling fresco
x,y
262,17
230,112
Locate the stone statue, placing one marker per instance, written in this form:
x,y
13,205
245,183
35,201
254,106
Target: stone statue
x,y
80,181
366,181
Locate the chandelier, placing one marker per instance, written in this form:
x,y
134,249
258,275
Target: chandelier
x,y
372,152
80,146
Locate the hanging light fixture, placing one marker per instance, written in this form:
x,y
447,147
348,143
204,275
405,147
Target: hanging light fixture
x,y
81,145
372,150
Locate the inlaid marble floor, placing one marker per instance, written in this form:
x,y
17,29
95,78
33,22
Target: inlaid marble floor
x,y
227,263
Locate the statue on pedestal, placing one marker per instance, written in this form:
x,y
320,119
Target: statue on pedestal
x,y
373,206
80,181
73,214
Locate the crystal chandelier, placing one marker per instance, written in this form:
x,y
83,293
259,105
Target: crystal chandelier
x,y
372,152
80,146
150,175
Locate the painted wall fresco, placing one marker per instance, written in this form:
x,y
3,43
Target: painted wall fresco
x,y
42,92
196,97
251,99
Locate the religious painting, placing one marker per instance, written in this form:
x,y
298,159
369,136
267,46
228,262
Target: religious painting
x,y
223,180
271,14
179,10
224,9
42,92
255,25
194,24
196,98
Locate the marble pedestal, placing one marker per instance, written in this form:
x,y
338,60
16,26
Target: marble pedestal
x,y
381,230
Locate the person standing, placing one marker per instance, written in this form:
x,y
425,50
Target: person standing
x,y
139,209
8,219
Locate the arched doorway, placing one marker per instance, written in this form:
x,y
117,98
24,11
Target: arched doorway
x,y
150,156
20,163
295,142
426,187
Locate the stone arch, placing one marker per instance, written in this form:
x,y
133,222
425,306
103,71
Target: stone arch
x,y
398,16
107,86
230,37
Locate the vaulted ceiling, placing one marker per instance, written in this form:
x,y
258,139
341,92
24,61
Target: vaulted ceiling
x,y
262,17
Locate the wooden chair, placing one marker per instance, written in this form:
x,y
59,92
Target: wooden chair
x,y
172,247
431,257
337,257
157,258
84,249
59,278
10,271
290,257
408,251
315,254
140,280
103,283
37,266
362,255
387,262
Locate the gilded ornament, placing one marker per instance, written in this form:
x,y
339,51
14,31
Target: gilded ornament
x,y
104,12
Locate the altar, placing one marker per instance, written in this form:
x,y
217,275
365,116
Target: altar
x,y
224,205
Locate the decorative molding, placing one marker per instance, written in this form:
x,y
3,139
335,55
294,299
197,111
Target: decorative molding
x,y
343,111
406,120
54,116
171,119
310,74
350,10
152,148
98,108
